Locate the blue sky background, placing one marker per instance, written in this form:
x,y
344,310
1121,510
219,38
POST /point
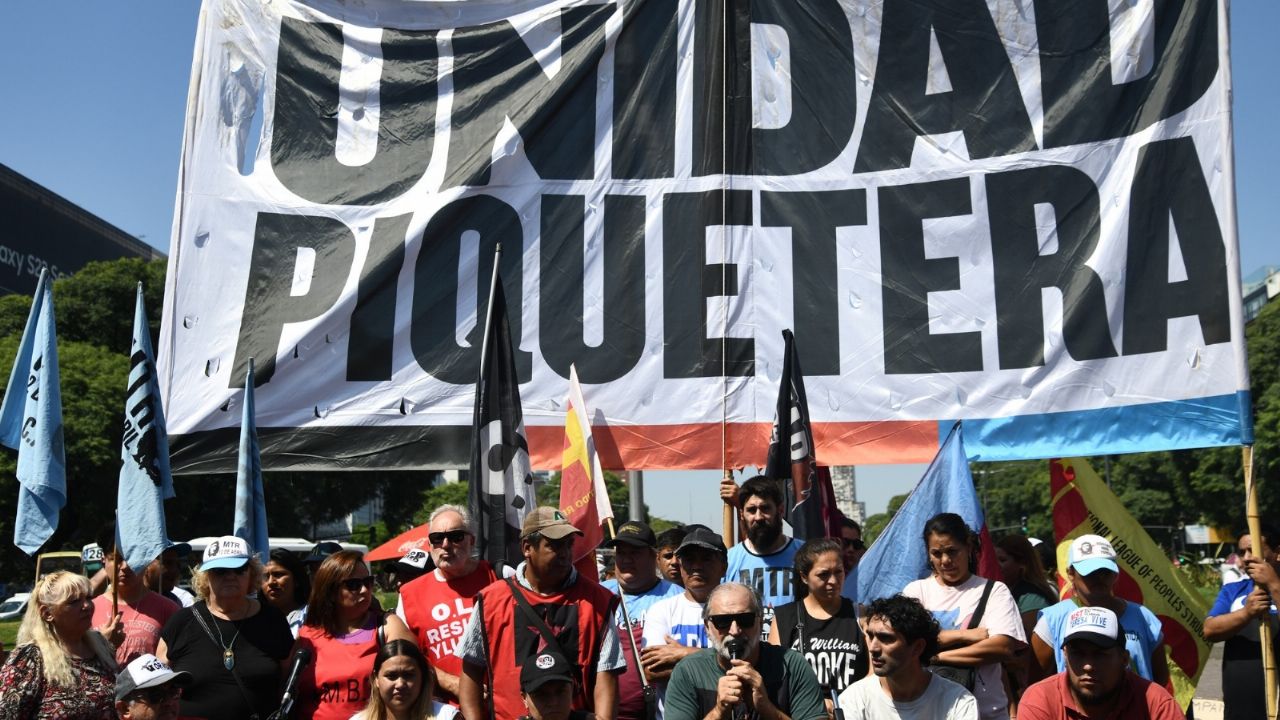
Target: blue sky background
x,y
95,95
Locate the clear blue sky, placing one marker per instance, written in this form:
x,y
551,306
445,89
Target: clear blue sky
x,y
95,95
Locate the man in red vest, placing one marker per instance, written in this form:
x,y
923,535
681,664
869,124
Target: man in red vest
x,y
437,606
546,606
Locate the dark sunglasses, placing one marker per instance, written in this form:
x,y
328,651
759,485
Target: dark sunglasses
x,y
745,621
219,572
156,695
852,543
354,584
454,536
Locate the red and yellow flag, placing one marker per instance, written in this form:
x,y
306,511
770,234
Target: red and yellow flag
x,y
583,497
1083,505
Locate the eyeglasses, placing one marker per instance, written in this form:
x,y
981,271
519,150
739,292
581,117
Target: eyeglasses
x,y
156,695
354,584
454,536
854,543
221,572
745,621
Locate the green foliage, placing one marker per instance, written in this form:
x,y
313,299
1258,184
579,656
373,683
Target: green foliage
x,y
619,500
875,524
445,493
1011,490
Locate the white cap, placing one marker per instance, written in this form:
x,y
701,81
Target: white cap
x,y
227,551
1096,625
416,557
1091,553
146,671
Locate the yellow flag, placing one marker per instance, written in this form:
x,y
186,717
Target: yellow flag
x,y
1083,505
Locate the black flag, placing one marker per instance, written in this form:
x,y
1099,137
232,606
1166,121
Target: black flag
x,y
501,491
808,498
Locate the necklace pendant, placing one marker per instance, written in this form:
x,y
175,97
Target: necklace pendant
x,y
229,659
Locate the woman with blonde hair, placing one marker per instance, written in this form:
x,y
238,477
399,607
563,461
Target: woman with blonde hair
x,y
233,645
61,668
343,631
403,687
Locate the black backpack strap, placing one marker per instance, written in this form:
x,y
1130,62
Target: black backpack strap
x,y
982,605
522,603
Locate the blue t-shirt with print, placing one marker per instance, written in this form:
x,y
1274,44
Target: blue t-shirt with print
x,y
1142,633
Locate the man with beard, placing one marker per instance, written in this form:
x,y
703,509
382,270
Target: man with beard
x,y
437,605
674,628
765,559
546,605
641,588
901,637
739,676
1097,682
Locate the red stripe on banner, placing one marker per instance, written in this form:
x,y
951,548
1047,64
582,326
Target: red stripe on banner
x,y
697,446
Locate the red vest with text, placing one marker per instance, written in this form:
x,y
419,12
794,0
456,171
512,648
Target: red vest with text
x,y
577,616
437,611
336,684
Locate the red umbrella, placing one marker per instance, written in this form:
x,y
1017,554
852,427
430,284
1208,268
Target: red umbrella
x,y
397,547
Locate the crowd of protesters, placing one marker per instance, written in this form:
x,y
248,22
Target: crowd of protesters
x,y
685,628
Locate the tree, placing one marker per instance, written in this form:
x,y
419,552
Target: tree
x,y
444,493
875,524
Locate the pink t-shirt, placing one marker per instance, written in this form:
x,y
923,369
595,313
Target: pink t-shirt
x,y
953,606
142,623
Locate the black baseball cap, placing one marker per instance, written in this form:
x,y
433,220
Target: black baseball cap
x,y
543,668
634,532
322,550
703,537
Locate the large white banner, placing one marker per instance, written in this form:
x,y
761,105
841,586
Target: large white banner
x,y
1015,213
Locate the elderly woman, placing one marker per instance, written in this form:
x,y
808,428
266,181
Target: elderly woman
x,y
60,668
233,645
341,631
981,627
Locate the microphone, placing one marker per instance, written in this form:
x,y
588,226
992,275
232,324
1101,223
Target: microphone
x,y
301,659
737,649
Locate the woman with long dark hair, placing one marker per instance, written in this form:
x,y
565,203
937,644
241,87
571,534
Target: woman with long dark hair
x,y
403,686
820,624
954,593
286,586
342,632
1022,571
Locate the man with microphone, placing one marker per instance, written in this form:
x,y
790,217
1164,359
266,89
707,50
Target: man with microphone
x,y
738,677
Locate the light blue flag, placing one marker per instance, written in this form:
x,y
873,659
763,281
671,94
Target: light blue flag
x,y
145,480
42,469
14,409
898,555
251,504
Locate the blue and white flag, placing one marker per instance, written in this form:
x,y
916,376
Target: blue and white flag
x,y
251,504
145,480
898,555
31,422
14,409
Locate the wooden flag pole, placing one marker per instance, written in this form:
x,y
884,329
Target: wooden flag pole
x,y
730,512
1255,536
115,582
